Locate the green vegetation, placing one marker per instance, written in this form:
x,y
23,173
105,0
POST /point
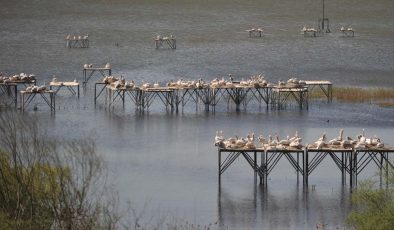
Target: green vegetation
x,y
48,184
374,207
381,96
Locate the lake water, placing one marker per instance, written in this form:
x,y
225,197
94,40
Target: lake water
x,y
166,161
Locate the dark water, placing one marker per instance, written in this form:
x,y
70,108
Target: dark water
x,y
167,161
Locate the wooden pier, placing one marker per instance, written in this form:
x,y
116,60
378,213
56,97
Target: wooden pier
x,y
165,42
77,41
349,161
48,97
210,96
70,85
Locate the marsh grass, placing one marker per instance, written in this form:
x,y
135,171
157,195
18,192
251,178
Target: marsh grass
x,y
381,96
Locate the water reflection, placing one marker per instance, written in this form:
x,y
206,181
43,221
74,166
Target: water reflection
x,y
282,207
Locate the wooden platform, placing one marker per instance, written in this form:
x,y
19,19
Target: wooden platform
x,y
77,41
70,85
348,32
324,86
255,32
311,32
165,42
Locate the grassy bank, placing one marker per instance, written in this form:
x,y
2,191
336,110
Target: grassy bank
x,y
380,96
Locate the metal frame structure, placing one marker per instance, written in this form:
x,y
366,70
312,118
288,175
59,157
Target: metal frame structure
x,y
340,156
77,43
233,154
325,86
271,157
48,96
175,97
169,41
89,72
282,96
349,161
363,157
9,93
348,32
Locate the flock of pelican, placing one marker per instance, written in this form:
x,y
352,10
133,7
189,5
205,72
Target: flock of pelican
x,y
311,29
360,142
87,66
256,81
16,78
69,37
36,89
271,143
294,142
308,29
343,29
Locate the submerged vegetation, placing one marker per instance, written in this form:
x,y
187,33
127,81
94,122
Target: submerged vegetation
x,y
380,96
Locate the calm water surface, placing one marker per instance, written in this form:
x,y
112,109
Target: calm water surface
x,y
166,161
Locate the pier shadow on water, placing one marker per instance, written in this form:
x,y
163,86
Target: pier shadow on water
x,y
282,206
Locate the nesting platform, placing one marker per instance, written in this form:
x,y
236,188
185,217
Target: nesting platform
x,y
255,32
350,162
165,42
70,85
48,96
77,41
348,32
89,72
324,86
309,32
209,96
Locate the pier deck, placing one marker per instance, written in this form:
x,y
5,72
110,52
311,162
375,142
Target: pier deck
x,y
70,85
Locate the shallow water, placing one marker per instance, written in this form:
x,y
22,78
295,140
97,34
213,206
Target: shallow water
x,y
167,160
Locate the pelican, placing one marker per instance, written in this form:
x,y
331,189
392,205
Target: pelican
x,y
346,143
375,140
351,141
262,140
295,136
108,66
321,141
156,85
296,144
323,137
285,141
219,138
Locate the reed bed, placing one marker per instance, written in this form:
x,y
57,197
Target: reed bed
x,y
380,96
